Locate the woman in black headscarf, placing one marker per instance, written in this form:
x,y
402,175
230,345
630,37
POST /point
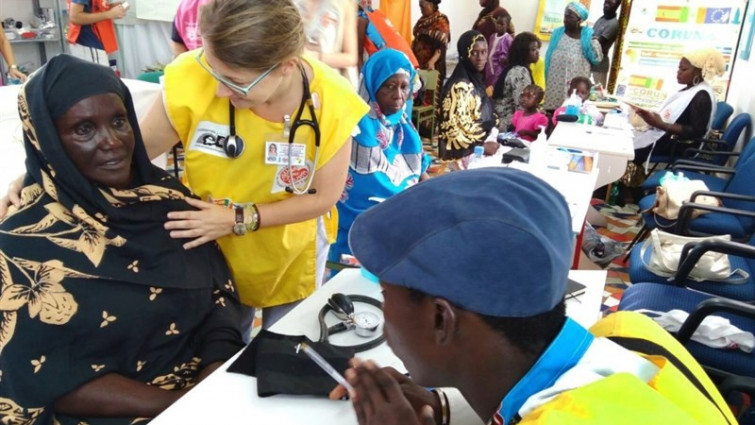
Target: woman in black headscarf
x,y
105,318
467,117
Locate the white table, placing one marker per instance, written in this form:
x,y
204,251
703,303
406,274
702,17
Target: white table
x,y
231,398
585,308
614,146
12,154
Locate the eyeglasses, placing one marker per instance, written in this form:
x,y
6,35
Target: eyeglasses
x,y
235,87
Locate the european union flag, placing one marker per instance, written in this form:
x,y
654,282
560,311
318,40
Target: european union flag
x,y
718,15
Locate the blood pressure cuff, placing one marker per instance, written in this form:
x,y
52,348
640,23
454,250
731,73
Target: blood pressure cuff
x,y
279,369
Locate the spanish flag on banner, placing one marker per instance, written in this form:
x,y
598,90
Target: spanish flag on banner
x,y
646,82
672,14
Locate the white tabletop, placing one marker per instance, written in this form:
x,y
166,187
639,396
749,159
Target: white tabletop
x,y
605,140
12,154
231,398
614,146
585,308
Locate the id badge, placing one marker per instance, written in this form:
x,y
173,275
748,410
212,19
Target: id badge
x,y
277,153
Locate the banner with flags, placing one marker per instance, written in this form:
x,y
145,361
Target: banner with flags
x,y
658,34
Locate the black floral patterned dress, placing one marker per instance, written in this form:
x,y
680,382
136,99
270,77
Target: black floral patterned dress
x,y
90,282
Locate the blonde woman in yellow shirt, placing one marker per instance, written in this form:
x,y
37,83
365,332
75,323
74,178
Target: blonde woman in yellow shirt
x,y
247,89
251,87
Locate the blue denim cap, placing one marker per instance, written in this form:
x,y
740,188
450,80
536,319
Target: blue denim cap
x,y
494,241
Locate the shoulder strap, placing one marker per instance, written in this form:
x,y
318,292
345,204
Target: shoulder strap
x,y
651,348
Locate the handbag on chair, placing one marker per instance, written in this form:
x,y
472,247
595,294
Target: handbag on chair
x,y
666,248
674,191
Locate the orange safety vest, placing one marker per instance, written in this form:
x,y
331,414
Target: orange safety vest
x,y
104,30
393,39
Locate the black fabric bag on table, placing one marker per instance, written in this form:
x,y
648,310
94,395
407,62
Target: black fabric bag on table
x,y
279,369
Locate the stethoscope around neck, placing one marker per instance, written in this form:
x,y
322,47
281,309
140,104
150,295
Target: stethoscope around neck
x,y
234,144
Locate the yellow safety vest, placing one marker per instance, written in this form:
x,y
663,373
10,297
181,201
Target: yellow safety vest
x,y
669,397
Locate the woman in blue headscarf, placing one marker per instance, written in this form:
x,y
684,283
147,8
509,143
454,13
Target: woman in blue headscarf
x,y
570,56
386,155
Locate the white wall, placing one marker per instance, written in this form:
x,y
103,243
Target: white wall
x,y
741,95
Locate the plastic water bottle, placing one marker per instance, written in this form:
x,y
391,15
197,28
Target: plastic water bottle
x,y
573,104
541,137
613,198
538,149
13,80
670,176
477,160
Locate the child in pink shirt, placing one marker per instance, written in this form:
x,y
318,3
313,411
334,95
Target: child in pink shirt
x,y
527,120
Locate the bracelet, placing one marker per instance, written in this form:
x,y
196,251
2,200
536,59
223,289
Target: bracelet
x,y
14,66
445,412
256,220
251,216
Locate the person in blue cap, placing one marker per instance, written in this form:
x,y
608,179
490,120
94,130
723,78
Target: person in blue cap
x,y
474,299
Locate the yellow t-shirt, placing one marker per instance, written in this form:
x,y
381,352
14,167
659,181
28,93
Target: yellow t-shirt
x,y
538,72
275,265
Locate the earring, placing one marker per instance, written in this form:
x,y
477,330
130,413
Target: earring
x,y
697,80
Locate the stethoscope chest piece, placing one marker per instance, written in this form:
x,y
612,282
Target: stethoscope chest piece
x,y
234,146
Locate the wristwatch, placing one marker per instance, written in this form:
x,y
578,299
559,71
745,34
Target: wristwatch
x,y
239,227
14,66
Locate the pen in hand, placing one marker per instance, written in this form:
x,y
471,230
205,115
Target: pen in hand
x,y
330,370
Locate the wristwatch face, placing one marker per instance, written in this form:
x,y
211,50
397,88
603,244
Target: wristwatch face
x,y
239,229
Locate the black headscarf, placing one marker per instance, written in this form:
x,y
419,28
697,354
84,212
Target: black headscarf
x,y
95,230
465,70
